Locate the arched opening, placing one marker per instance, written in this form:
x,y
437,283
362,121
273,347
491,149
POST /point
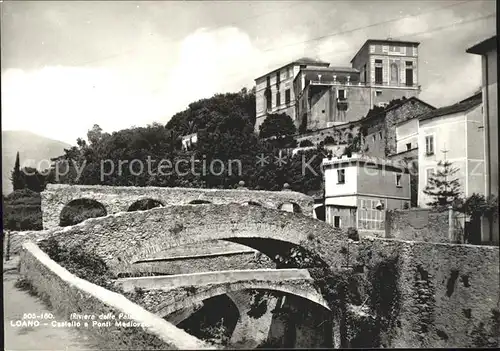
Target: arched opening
x,y
320,213
253,203
291,320
199,202
214,322
144,205
78,210
284,254
290,207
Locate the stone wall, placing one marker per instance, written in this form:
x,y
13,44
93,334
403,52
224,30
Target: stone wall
x,y
118,199
69,294
401,113
447,294
419,225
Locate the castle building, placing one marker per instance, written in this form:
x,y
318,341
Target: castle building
x,y
319,96
274,91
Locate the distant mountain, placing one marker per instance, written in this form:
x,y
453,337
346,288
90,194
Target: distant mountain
x,y
31,147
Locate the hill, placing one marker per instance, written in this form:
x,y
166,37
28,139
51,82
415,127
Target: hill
x,y
31,147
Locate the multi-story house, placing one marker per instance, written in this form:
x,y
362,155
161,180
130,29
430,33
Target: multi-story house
x,y
358,190
274,91
322,96
453,133
389,68
489,52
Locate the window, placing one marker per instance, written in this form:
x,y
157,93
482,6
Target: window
x,y
278,98
341,94
364,73
408,146
378,92
429,173
429,145
409,73
268,80
278,78
287,96
398,180
380,135
336,221
341,176
394,49
374,137
378,72
394,73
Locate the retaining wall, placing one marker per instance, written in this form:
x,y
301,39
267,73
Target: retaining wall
x,y
421,225
449,293
69,294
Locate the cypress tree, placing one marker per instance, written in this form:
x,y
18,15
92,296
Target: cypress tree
x,y
16,176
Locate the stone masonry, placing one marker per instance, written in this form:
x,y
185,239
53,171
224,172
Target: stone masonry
x,y
117,199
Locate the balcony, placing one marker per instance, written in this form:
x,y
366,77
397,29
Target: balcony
x,y
395,85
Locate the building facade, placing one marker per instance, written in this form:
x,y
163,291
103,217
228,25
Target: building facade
x,y
274,92
489,53
488,50
453,133
359,189
318,96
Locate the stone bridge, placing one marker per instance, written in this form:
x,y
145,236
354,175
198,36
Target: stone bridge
x,y
116,199
175,292
124,238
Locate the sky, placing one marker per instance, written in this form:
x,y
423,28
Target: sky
x,y
67,65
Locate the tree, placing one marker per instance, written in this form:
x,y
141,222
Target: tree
x,y
278,126
16,176
443,186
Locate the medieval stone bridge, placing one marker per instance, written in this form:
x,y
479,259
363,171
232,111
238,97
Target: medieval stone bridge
x,y
167,294
124,238
115,199
171,290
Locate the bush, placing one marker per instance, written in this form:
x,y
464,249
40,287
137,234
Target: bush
x,y
22,211
305,143
352,233
329,140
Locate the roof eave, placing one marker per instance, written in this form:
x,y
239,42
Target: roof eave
x,y
484,46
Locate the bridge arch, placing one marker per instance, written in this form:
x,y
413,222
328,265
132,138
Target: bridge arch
x,y
78,210
181,299
127,237
199,202
290,207
145,204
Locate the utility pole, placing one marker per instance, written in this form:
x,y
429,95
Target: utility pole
x,y
445,151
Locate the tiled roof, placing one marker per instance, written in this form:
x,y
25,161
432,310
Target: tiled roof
x,y
463,106
308,60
